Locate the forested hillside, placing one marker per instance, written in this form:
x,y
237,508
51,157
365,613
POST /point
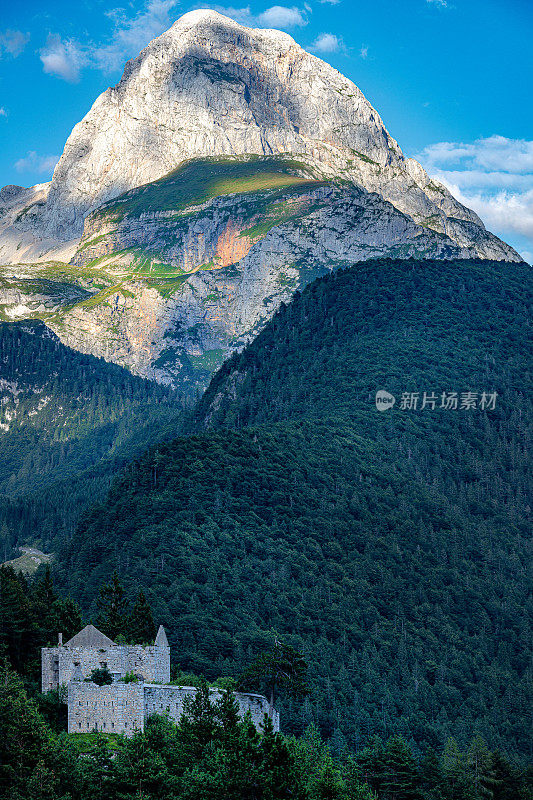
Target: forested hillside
x,y
68,421
392,547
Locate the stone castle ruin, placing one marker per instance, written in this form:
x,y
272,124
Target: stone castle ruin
x,y
124,706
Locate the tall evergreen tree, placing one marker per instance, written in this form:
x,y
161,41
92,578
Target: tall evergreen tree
x,y
281,667
401,778
113,608
141,625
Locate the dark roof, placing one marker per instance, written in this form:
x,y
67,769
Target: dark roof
x,y
90,637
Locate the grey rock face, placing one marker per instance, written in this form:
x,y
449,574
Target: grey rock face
x,y
207,87
186,288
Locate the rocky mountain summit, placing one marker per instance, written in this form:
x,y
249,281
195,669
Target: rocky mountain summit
x,y
226,169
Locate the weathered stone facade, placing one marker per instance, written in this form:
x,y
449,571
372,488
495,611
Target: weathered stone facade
x,y
124,707
90,650
118,708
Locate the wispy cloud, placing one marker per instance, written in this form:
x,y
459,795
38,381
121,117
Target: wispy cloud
x,y
13,42
363,52
132,34
242,15
33,162
63,58
438,3
3,112
492,175
492,153
283,17
327,43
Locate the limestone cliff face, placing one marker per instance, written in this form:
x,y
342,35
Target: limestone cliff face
x,y
208,87
170,293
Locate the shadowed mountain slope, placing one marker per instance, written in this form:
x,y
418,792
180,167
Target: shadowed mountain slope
x,y
67,422
393,547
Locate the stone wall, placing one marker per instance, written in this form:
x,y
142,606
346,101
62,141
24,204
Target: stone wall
x,y
170,699
124,707
60,663
118,708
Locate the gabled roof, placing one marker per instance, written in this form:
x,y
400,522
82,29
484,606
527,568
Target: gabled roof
x,y
161,638
90,637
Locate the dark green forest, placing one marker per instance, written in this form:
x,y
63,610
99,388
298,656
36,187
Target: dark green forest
x,y
391,548
211,754
69,422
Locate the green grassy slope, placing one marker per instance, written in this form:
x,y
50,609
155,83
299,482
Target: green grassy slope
x,y
196,181
393,547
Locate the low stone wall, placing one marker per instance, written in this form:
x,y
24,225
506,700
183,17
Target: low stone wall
x,y
159,699
124,707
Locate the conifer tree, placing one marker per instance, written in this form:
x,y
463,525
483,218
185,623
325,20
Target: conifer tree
x,y
113,608
280,667
400,781
141,625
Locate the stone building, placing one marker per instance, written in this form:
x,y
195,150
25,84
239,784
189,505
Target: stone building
x,y
123,707
90,649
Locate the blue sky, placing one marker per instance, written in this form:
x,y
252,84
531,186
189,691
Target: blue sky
x,y
452,80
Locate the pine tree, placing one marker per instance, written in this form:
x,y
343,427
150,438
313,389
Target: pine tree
x,y
112,619
26,745
280,667
479,765
329,784
141,625
401,777
97,771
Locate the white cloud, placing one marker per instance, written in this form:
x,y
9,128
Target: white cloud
x,y
493,176
3,112
63,58
32,162
274,17
282,17
363,52
492,153
330,2
13,42
327,43
132,34
241,15
438,3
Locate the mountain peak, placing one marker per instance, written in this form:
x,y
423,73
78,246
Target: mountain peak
x,y
202,16
210,87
